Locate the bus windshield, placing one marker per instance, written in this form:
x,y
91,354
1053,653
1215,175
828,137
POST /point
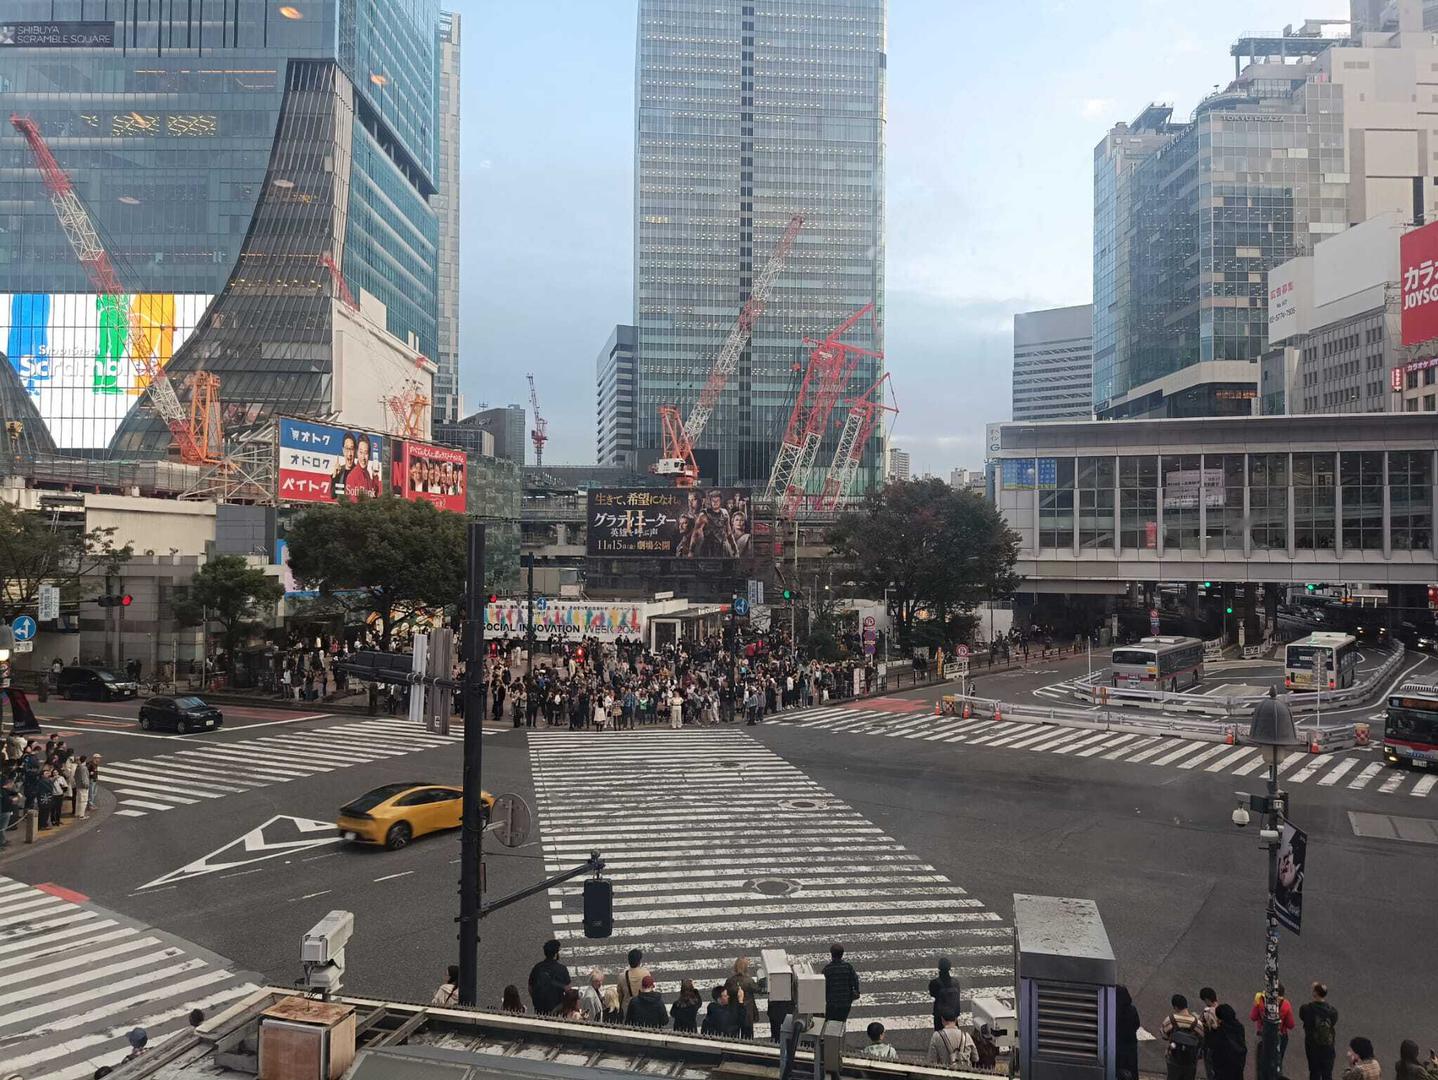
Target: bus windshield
x,y
1413,719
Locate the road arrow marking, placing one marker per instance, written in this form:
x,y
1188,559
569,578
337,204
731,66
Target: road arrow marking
x,y
255,846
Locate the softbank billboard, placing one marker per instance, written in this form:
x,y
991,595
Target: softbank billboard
x,y
1418,265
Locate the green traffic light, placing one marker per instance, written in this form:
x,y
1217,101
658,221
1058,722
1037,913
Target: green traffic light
x,y
1208,584
1228,611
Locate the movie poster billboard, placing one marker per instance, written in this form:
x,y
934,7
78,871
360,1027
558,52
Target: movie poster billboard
x,y
323,463
423,471
670,523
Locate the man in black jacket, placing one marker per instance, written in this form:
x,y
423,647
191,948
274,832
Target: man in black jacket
x,y
646,1008
548,980
841,985
723,1016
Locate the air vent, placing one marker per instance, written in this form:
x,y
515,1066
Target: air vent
x,y
1068,1023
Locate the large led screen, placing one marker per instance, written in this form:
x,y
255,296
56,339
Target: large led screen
x,y
74,354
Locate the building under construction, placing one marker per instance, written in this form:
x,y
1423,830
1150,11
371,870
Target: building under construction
x,y
240,210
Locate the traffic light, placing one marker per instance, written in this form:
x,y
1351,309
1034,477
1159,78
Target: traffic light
x,y
115,601
1208,584
494,598
789,595
1228,610
1311,587
598,908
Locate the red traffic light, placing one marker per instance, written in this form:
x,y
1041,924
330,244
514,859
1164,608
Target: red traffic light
x,y
126,600
494,598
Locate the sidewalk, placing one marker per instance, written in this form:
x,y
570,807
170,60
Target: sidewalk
x,y
17,848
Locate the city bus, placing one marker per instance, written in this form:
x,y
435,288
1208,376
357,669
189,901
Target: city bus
x,y
1340,661
1411,734
1158,663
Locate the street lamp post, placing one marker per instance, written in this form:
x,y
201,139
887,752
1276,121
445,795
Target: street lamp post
x,y
1272,729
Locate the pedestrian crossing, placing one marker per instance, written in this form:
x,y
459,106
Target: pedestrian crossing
x,y
1353,770
75,979
718,848
212,770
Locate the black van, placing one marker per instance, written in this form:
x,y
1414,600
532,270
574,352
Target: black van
x,y
96,684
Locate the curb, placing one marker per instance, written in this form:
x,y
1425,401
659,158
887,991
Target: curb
x,y
16,849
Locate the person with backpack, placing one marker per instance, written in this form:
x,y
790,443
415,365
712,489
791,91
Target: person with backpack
x,y
944,989
1286,1024
951,1047
1184,1033
548,980
631,982
1226,1048
1320,1034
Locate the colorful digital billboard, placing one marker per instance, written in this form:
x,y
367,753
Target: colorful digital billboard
x,y
1418,270
667,523
423,471
74,354
323,463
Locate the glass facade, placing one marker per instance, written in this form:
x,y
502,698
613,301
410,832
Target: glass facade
x,y
446,207
1184,240
224,152
746,114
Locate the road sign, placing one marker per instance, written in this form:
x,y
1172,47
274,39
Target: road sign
x,y
24,646
870,622
1319,667
741,606
756,593
961,666
1153,620
961,650
24,628
510,820
49,603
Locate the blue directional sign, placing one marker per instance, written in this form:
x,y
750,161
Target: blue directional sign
x,y
741,607
24,628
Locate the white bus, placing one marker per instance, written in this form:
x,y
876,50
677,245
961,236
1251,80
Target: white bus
x,y
1340,661
1158,663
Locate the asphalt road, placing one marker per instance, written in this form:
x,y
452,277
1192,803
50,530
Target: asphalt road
x,y
938,835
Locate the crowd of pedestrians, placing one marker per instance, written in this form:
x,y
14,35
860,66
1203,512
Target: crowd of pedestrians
x,y
623,684
47,777
633,999
1214,1036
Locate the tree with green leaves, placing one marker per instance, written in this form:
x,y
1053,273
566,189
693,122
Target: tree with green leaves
x,y
229,591
936,550
388,557
37,549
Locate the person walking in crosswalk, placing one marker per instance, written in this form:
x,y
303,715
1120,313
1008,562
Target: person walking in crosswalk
x,y
841,985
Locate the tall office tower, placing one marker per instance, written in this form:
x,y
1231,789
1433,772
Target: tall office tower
x,y
506,427
1053,364
899,464
1316,133
446,208
246,166
746,114
614,399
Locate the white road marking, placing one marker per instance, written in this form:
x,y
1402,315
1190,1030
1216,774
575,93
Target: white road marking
x,y
1363,779
1337,773
1425,785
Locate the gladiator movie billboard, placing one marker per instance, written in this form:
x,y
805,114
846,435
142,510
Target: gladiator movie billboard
x,y
670,523
423,471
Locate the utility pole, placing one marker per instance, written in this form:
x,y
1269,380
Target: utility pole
x,y
472,834
529,632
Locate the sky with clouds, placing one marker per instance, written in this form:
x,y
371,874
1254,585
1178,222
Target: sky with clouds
x,y
994,111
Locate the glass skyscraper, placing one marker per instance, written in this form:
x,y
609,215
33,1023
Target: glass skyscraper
x,y
238,159
748,113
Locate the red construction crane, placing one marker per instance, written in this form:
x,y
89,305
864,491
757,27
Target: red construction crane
x,y
346,297
539,435
831,365
680,436
864,413
196,432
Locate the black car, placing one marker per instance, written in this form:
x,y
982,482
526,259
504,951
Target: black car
x,y
97,684
179,714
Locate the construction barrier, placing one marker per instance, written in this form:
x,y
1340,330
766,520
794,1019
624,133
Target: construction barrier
x,y
1360,734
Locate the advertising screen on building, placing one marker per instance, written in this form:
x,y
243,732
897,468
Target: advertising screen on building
x,y
666,523
429,472
74,354
1418,265
571,619
321,463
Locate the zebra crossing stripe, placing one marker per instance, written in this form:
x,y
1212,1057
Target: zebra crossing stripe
x,y
1143,742
1391,784
1363,779
1308,770
1336,773
1089,740
1424,785
1199,759
1226,760
1108,744
694,895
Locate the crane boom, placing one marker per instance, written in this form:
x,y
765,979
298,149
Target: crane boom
x,y
539,435
864,413
681,437
80,230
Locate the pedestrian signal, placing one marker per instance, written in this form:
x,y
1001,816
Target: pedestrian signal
x,y
598,908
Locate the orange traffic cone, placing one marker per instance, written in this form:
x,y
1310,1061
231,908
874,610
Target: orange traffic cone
x,y
1230,735
1313,746
968,710
998,713
938,709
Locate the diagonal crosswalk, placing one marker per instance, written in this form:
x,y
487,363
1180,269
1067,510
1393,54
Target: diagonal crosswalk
x,y
202,772
718,847
75,979
1351,771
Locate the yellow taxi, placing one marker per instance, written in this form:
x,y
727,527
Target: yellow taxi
x,y
395,814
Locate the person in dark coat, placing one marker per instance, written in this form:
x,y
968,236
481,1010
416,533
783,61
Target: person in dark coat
x,y
548,980
1126,1025
723,1016
841,985
685,1009
1228,1046
944,989
646,1008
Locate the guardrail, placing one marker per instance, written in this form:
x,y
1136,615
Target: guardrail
x,y
1090,688
1233,731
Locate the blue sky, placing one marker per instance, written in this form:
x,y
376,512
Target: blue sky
x,y
994,111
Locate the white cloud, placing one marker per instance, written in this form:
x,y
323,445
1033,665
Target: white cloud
x,y
1096,108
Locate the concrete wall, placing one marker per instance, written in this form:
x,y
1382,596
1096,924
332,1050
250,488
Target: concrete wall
x,y
157,526
371,364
